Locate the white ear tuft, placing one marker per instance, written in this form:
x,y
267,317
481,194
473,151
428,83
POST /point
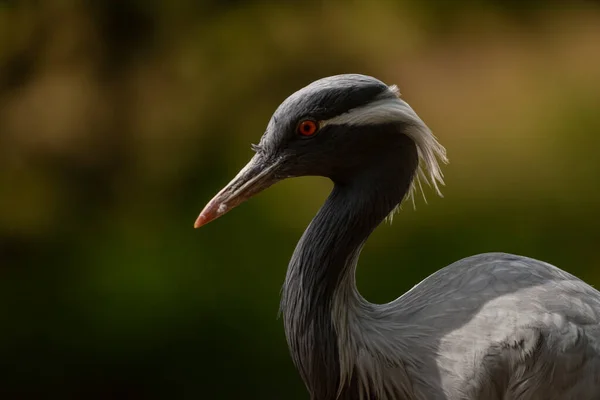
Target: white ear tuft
x,y
388,109
394,89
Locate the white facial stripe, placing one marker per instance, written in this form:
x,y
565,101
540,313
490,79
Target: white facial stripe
x,y
376,112
394,109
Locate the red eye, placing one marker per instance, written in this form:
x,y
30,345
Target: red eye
x,y
307,128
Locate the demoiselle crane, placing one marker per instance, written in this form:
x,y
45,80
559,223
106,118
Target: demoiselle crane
x,y
491,326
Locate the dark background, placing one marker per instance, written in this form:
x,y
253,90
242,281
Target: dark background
x,y
120,119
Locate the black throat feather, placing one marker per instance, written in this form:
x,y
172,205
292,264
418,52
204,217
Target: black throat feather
x,y
327,253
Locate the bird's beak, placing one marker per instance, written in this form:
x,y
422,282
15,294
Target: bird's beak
x,y
255,177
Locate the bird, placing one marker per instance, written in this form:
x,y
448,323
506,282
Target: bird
x,y
490,326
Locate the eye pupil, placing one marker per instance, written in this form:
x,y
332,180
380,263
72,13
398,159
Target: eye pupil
x,y
307,128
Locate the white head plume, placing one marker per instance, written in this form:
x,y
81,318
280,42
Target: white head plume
x,y
386,109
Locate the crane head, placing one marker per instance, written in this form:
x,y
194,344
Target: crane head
x,y
341,127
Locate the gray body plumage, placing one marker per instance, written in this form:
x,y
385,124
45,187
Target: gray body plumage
x,y
492,326
489,327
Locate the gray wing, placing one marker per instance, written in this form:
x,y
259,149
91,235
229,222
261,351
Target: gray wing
x,y
501,326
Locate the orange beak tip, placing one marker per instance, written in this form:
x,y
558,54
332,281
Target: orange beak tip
x,y
210,213
201,220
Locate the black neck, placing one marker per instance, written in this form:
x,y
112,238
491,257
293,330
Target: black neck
x,y
322,267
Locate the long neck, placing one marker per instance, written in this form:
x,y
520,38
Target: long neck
x,y
319,293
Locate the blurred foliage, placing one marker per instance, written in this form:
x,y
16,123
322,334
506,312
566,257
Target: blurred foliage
x,y
120,119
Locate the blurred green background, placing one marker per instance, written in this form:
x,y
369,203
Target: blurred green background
x,y
120,119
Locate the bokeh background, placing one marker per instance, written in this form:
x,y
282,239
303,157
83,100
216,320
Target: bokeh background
x,y
120,119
